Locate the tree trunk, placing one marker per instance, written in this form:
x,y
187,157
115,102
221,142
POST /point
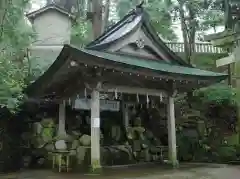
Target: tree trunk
x,y
81,8
184,32
3,12
97,17
192,33
189,35
49,2
228,18
106,14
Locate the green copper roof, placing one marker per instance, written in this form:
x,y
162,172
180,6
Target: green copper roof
x,y
138,18
156,67
153,65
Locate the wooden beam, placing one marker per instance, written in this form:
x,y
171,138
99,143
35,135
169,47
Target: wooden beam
x,y
132,90
125,68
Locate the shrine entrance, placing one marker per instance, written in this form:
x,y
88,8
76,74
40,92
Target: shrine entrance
x,y
129,63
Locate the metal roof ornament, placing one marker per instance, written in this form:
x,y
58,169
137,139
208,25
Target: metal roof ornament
x,y
140,43
141,4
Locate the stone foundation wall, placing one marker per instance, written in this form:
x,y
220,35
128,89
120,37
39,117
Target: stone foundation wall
x,y
135,144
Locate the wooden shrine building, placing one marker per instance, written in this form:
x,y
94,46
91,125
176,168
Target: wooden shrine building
x,y
129,58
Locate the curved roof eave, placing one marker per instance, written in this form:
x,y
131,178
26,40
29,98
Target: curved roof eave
x,y
129,18
150,30
153,67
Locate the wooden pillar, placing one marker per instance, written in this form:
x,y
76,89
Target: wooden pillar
x,y
172,146
62,120
95,99
125,115
95,131
236,84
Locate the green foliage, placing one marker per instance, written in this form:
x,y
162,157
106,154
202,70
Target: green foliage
x,y
206,61
186,147
201,14
161,19
15,36
81,33
160,15
212,19
206,148
226,153
218,93
124,6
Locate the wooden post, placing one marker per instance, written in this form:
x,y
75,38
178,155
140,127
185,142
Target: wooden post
x,y
172,147
125,114
236,85
62,120
95,131
95,101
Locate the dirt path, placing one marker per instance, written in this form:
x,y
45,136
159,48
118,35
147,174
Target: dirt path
x,y
155,172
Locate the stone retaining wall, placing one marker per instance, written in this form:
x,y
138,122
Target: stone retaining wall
x,y
139,145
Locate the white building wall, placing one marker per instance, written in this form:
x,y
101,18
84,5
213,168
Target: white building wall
x,y
52,28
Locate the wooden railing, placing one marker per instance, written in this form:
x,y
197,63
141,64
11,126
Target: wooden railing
x,y
199,47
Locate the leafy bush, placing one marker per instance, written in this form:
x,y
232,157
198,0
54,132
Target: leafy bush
x,y
219,94
80,35
226,153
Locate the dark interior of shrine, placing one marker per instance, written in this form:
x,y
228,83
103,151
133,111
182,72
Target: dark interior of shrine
x,y
143,140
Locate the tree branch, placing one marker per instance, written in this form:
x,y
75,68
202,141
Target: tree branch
x,y
3,16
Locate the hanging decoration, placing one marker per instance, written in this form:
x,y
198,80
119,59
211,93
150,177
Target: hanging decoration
x,y
147,101
152,104
161,97
162,78
85,92
116,94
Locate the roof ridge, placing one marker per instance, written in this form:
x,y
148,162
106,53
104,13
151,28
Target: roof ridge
x,y
49,6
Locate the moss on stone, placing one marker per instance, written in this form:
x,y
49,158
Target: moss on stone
x,y
96,167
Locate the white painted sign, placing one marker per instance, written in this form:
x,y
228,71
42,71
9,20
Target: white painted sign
x,y
96,122
236,53
235,56
225,61
105,105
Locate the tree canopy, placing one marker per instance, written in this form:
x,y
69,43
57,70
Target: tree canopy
x,y
15,38
159,11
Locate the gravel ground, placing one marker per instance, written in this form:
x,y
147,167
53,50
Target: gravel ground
x,y
190,171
